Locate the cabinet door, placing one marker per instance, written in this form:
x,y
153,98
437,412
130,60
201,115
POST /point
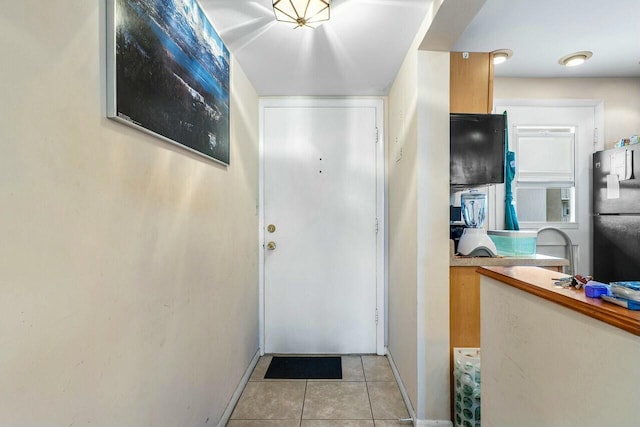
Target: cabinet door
x,y
464,309
464,313
471,83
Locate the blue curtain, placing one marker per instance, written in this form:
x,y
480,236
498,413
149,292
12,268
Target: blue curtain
x,y
510,217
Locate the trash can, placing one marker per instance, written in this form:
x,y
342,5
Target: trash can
x,y
466,374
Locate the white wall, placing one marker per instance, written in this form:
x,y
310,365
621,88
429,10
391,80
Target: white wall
x,y
433,235
418,288
621,98
402,224
546,365
128,267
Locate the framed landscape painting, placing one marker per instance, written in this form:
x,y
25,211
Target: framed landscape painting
x,y
168,74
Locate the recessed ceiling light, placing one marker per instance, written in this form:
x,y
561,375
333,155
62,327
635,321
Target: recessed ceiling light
x,y
574,59
501,55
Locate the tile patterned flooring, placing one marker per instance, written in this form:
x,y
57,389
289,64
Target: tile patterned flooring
x,y
367,396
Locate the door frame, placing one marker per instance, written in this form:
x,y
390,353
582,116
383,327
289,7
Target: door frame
x,y
381,250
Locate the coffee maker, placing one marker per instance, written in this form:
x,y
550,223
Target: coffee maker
x,y
474,240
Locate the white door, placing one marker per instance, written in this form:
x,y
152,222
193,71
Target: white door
x,y
320,195
561,113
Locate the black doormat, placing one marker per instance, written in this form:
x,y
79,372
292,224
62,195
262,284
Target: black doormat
x,y
299,368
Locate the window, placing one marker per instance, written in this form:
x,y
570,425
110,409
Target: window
x,y
545,175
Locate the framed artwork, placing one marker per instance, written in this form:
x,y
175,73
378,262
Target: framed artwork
x,y
168,74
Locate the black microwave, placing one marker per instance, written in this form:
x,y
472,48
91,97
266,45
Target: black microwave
x,y
477,149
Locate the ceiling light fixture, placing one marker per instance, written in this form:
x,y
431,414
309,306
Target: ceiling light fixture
x,y
501,55
574,59
302,13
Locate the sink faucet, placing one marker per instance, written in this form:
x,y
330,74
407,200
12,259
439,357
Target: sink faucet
x,y
568,243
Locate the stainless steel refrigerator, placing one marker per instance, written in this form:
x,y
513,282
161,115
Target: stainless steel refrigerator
x,y
616,214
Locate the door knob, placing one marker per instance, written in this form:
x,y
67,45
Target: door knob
x,y
271,246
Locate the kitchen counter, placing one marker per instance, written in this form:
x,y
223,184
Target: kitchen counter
x,y
540,282
553,357
534,260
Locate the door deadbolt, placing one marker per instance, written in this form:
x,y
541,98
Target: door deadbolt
x,y
271,228
271,246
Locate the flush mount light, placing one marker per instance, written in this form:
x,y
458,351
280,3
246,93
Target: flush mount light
x,y
302,13
574,59
501,55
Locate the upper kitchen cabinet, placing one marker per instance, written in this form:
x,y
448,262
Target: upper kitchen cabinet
x,y
471,80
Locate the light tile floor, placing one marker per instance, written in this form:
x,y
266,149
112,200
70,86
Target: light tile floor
x,y
367,396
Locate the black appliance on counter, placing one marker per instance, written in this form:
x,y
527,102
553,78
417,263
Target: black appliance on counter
x,y
456,225
477,150
616,214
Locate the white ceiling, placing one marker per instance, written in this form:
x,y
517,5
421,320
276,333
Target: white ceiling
x,y
357,52
540,32
360,50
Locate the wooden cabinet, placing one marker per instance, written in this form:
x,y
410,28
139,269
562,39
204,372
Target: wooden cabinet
x,y
464,307
471,82
464,314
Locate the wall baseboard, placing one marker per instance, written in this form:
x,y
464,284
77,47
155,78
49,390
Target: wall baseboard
x,y
236,395
434,423
407,401
403,390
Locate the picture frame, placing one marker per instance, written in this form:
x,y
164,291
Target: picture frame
x,y
168,74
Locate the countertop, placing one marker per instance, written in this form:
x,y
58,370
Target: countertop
x,y
534,260
540,282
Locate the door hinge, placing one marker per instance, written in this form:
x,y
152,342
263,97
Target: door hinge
x,y
376,316
595,136
377,135
377,226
